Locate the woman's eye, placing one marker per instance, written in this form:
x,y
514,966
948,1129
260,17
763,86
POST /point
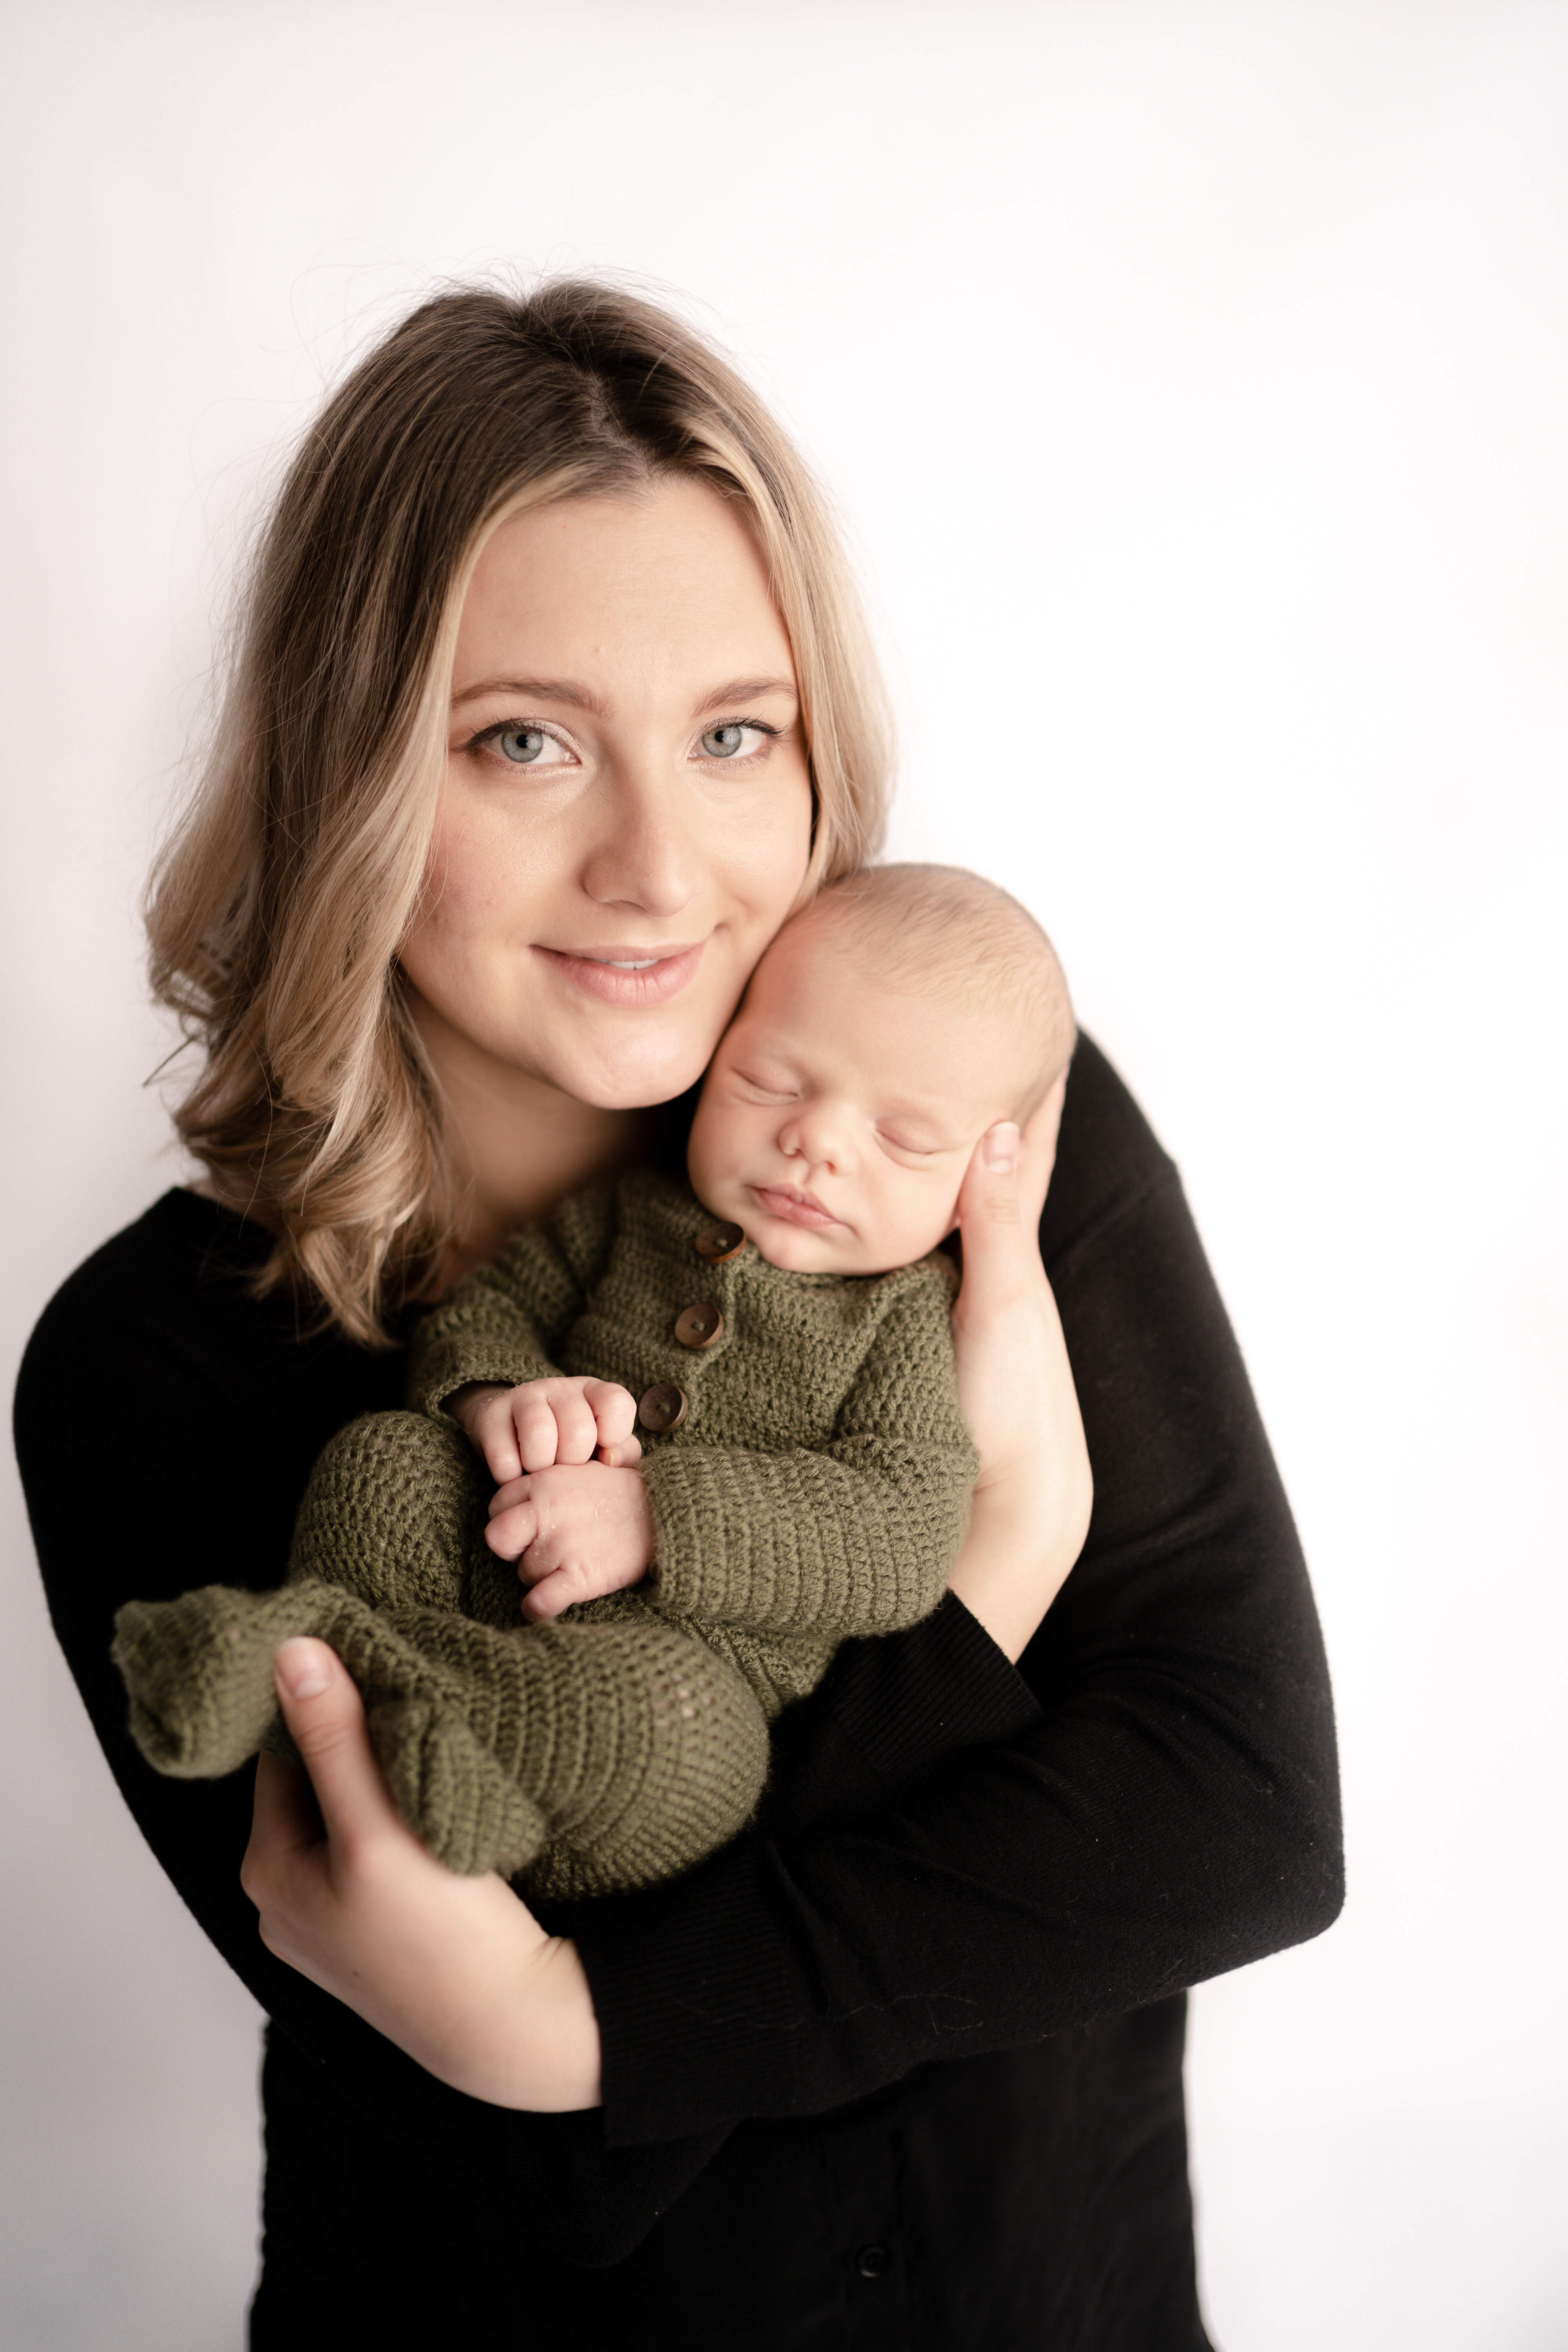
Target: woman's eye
x,y
529,747
733,742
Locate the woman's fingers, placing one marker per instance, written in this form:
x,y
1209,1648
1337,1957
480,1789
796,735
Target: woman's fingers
x,y
1040,1151
304,1831
999,1206
325,1716
999,1244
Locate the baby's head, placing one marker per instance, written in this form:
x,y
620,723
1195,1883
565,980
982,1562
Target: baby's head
x,y
904,1013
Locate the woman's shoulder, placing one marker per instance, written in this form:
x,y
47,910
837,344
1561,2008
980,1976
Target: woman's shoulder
x,y
1108,1156
163,1326
182,1256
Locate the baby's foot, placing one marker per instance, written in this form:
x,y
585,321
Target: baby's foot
x,y
199,1672
450,1789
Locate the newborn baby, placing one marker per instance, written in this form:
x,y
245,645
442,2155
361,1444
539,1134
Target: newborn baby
x,y
722,1421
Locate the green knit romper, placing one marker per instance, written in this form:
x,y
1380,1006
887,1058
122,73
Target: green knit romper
x,y
813,1486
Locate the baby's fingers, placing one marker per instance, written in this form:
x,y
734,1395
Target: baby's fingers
x,y
625,1454
533,1419
614,1409
577,1430
514,1524
547,1598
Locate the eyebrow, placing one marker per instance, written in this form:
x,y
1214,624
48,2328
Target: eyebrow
x,y
582,697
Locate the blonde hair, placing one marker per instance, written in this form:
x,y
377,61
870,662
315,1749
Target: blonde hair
x,y
277,909
939,930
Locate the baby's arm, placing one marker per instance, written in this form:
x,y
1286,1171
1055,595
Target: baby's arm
x,y
503,1324
484,1357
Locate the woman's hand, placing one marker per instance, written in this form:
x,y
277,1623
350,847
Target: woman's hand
x,y
1033,1495
456,1972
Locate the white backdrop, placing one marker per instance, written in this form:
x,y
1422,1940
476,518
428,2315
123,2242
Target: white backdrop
x,y
1192,379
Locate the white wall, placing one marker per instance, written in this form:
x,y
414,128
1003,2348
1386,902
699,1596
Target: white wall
x,y
1193,378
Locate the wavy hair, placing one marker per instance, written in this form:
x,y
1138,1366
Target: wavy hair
x,y
277,908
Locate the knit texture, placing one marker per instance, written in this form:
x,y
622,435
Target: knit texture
x,y
819,1484
606,1756
817,1487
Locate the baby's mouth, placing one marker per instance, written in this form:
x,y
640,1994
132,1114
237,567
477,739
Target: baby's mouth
x,y
795,1207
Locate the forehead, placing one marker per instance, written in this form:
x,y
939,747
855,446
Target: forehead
x,y
822,997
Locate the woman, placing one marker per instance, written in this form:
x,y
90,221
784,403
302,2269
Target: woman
x,y
552,703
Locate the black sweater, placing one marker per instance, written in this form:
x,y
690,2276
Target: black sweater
x,y
902,2068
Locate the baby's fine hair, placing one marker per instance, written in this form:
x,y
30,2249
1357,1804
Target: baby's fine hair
x,y
939,930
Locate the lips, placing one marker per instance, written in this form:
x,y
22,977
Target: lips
x,y
794,1208
633,975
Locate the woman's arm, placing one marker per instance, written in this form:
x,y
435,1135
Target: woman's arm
x,y
456,1973
453,1970
1170,1811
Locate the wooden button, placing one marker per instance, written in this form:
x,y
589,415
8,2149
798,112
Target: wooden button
x,y
699,1327
662,1408
714,1244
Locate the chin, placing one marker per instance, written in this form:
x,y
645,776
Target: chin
x,y
638,1081
793,1249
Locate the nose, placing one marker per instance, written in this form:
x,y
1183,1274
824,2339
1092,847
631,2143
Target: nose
x,y
642,857
821,1135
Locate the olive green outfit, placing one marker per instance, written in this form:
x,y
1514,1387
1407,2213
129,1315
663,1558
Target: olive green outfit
x,y
809,1473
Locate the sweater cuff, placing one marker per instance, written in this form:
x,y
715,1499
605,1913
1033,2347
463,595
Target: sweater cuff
x,y
908,1702
444,1366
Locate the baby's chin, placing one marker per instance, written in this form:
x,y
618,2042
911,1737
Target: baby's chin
x,y
797,1249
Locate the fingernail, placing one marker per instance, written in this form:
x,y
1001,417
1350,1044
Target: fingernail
x,y
1000,1149
298,1665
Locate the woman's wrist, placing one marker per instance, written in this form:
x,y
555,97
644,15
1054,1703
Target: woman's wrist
x,y
533,2043
454,1972
1020,1548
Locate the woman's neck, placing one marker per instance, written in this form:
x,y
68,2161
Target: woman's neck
x,y
520,1145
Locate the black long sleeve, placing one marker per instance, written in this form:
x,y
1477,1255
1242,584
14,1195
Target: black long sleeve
x,y
1172,1812
956,1858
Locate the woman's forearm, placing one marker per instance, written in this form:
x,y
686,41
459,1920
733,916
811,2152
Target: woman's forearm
x,y
527,2038
1017,1556
454,1972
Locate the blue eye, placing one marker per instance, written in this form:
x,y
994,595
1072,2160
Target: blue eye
x,y
522,744
729,741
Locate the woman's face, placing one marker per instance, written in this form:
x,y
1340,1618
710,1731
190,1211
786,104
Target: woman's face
x,y
627,815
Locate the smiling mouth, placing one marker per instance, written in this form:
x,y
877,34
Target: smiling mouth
x,y
636,976
795,1208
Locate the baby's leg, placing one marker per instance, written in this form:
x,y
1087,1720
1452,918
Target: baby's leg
x,y
629,1750
395,1512
643,1749
199,1672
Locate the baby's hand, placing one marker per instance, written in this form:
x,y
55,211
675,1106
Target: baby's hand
x,y
540,1423
576,1531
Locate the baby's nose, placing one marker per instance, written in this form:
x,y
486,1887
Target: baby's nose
x,y
817,1136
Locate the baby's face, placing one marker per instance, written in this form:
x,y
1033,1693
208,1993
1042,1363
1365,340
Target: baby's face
x,y
839,1114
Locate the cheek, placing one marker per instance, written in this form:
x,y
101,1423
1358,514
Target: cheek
x,y
765,854
492,864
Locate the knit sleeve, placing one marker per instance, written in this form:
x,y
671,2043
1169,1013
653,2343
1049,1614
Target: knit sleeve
x,y
857,1538
506,1320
